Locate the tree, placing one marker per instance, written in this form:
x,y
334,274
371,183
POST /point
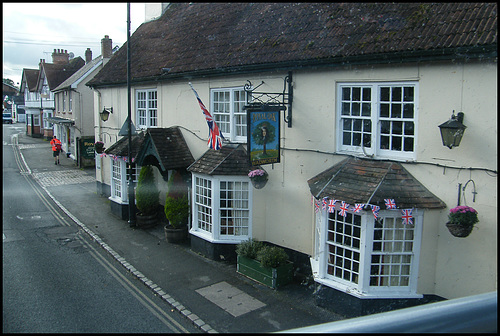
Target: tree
x,y
263,134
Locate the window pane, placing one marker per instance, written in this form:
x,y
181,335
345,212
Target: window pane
x,y
409,94
407,110
384,94
396,94
346,94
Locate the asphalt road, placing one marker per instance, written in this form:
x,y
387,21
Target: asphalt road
x,y
55,279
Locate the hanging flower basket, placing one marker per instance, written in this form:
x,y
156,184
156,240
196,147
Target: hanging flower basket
x,y
258,177
99,147
461,220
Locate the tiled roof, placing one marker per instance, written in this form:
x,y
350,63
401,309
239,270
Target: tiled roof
x,y
120,148
200,38
168,146
31,78
58,73
356,180
229,160
78,74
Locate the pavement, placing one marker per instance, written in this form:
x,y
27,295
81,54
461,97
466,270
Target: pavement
x,y
210,294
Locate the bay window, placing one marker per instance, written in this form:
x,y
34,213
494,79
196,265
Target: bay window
x,y
119,180
221,208
366,257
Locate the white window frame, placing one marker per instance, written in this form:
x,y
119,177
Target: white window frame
x,y
229,114
36,119
374,105
208,227
46,123
146,108
70,101
362,287
120,181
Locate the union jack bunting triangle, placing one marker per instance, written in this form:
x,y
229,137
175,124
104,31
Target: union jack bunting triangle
x,y
343,209
407,216
331,206
389,203
375,211
358,207
324,203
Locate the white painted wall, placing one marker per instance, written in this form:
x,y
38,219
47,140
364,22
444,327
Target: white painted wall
x,y
282,211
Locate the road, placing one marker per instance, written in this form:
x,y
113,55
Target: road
x,y
55,278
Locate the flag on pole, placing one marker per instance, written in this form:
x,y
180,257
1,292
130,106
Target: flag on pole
x,y
215,136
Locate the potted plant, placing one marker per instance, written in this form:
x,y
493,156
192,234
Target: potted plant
x,y
99,147
147,198
176,209
258,177
268,265
461,220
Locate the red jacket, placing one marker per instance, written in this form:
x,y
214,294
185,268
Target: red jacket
x,y
56,144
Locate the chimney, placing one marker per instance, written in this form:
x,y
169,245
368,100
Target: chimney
x,y
88,55
60,56
106,47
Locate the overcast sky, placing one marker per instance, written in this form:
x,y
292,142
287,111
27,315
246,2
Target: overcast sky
x,y
31,31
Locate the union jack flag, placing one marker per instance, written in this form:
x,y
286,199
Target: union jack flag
x,y
215,136
407,216
343,209
375,210
389,203
358,207
331,206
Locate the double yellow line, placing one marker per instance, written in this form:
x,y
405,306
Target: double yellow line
x,y
157,311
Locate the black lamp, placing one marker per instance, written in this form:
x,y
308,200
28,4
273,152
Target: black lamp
x,y
105,113
453,130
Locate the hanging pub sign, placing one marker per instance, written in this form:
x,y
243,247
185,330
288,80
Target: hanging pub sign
x,y
263,134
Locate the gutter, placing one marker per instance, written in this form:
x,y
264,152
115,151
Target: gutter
x,y
411,56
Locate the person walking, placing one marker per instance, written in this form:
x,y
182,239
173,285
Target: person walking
x,y
56,148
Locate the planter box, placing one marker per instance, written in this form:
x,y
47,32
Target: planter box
x,y
271,277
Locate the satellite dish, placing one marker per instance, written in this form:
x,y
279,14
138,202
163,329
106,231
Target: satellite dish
x,y
71,55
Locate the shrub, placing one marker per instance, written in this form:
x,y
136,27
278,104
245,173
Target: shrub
x,y
272,256
249,248
176,203
147,194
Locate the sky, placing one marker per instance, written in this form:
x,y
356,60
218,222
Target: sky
x,y
31,31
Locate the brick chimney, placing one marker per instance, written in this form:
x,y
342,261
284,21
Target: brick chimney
x,y
106,47
88,55
60,56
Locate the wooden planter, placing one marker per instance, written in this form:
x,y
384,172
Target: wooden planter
x,y
146,221
174,235
271,277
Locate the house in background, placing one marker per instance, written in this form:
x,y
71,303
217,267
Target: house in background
x,y
361,90
73,117
36,86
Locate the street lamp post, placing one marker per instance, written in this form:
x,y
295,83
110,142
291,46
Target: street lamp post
x,y
131,196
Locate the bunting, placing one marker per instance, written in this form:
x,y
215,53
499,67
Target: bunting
x,y
330,205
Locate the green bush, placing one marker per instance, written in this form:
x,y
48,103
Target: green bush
x,y
176,202
147,194
272,256
249,248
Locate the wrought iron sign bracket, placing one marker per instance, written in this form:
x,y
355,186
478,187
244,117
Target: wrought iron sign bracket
x,y
282,100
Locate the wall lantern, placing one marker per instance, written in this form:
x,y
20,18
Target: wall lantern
x,y
453,130
105,113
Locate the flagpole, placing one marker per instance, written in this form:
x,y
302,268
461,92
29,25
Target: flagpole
x,y
131,196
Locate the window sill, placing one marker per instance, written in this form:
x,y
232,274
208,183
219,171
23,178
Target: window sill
x,y
210,239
